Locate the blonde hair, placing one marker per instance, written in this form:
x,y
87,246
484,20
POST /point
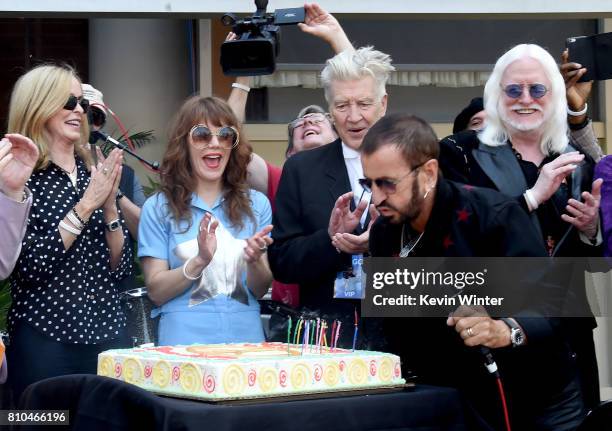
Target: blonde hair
x,y
356,64
37,96
555,131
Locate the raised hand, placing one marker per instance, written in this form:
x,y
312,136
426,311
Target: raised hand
x,y
257,245
115,177
324,25
577,92
585,215
18,156
552,175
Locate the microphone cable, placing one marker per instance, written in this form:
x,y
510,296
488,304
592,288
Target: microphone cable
x,y
491,367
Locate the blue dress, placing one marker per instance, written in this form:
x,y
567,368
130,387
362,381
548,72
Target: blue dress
x,y
218,307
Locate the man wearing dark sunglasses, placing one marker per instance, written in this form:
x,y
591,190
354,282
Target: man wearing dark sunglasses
x,y
524,152
425,215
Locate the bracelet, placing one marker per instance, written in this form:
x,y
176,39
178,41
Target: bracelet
x,y
578,113
187,276
72,219
531,201
241,86
69,228
76,214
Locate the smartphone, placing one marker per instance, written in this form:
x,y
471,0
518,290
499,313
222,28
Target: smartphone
x,y
289,16
594,53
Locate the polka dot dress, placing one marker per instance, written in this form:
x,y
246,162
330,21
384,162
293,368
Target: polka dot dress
x,y
68,295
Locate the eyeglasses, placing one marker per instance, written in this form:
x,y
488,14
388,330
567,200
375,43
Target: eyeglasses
x,y
386,185
514,91
201,137
314,118
72,101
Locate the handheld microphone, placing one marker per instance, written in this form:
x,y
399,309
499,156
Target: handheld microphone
x,y
106,138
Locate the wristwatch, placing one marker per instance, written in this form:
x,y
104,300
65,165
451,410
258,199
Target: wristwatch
x,y
517,336
113,225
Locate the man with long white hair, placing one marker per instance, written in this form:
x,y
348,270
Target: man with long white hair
x,y
525,152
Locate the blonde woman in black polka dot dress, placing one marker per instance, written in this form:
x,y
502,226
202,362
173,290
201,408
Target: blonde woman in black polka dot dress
x,y
65,308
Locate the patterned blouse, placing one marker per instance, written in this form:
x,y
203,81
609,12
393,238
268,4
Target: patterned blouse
x,y
69,295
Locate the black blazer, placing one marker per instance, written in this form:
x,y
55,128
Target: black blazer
x,y
302,251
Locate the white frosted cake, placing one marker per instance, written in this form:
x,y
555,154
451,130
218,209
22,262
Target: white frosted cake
x,y
242,371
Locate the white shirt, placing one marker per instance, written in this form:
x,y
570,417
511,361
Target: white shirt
x,y
352,160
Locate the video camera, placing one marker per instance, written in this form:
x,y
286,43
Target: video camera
x,y
257,42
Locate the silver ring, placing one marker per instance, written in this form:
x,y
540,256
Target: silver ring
x,y
105,171
470,332
263,249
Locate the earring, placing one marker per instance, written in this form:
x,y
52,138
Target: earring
x,y
427,192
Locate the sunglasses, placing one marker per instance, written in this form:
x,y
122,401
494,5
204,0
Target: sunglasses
x,y
72,101
514,91
314,118
201,137
386,185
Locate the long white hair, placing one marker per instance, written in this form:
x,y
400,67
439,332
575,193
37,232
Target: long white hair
x,y
555,130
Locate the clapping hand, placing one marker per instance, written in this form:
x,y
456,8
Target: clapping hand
x,y
103,181
553,173
257,245
355,244
342,219
585,215
18,156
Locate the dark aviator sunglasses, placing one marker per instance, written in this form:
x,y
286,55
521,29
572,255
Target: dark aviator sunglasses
x,y
72,101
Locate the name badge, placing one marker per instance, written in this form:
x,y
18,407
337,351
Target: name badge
x,y
349,283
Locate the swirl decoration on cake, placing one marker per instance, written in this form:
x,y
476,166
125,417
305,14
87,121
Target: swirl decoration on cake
x,y
331,375
386,370
132,371
282,378
162,374
106,366
252,377
234,380
300,376
147,371
176,373
118,370
357,372
267,379
209,384
398,370
373,367
318,372
191,378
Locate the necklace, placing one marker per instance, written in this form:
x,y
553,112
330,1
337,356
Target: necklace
x,y
407,249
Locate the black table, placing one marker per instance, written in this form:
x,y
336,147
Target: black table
x,y
101,403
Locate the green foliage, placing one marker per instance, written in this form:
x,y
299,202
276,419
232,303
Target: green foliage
x,y
152,188
5,303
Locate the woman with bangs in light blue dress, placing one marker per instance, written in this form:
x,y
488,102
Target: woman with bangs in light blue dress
x,y
203,237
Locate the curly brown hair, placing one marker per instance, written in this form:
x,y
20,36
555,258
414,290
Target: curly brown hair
x,y
178,180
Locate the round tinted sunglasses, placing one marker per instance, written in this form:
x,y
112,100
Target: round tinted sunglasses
x,y
72,101
201,136
514,91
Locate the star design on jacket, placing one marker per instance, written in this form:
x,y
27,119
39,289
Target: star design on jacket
x,y
224,273
447,242
463,215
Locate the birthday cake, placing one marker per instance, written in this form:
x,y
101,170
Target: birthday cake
x,y
242,371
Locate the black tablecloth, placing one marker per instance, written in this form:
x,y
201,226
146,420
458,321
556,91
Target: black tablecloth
x,y
100,403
